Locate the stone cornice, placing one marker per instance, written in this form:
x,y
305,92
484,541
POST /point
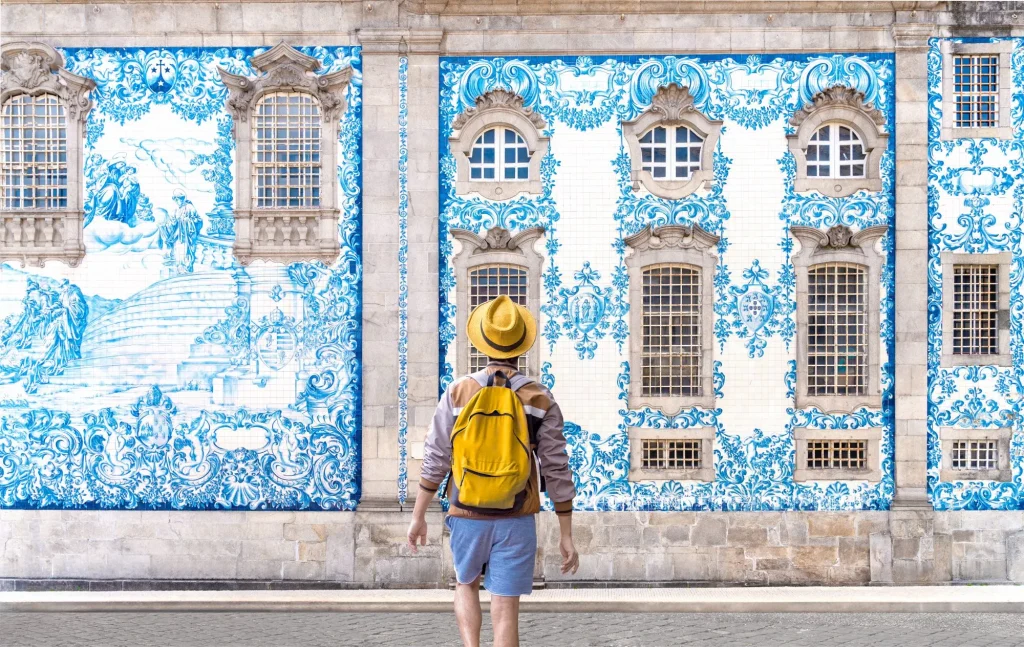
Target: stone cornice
x,y
912,35
400,41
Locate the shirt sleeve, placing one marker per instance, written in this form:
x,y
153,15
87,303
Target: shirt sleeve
x,y
554,460
437,450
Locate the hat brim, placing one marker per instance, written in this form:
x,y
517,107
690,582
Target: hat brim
x,y
476,336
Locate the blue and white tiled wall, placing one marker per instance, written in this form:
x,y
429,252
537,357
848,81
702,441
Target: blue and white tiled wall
x,y
160,373
588,207
975,205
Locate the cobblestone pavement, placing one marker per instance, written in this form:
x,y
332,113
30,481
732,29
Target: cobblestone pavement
x,y
561,629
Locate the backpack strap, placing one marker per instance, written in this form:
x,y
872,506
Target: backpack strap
x,y
493,380
518,381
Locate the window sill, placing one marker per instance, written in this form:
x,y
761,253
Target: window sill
x,y
839,403
952,361
992,132
837,187
959,476
870,475
671,406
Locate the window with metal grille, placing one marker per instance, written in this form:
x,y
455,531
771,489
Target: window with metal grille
x,y
976,90
671,455
975,455
837,454
975,309
488,282
671,153
835,151
286,151
35,155
837,320
671,336
499,154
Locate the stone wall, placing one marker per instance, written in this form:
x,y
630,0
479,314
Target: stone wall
x,y
368,549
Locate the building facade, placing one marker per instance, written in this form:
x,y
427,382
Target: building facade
x,y
774,250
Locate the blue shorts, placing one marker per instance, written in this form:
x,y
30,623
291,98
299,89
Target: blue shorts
x,y
508,547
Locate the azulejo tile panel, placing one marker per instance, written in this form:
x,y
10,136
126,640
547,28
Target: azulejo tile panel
x,y
160,373
975,202
588,206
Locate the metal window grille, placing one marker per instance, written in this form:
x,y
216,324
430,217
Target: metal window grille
x,y
837,346
655,145
670,455
975,455
976,91
821,160
489,282
671,320
35,153
286,151
837,454
499,153
975,309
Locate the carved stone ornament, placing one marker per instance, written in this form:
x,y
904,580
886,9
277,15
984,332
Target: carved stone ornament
x,y
286,69
672,106
672,236
839,106
34,236
494,109
839,95
497,239
499,98
839,236
672,101
283,234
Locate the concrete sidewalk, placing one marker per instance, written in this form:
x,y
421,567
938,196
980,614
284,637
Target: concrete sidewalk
x,y
948,599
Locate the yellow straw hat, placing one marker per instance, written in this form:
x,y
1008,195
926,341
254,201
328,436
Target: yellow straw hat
x,y
501,328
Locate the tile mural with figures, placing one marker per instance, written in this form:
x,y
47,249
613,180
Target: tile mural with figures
x,y
975,206
160,373
588,206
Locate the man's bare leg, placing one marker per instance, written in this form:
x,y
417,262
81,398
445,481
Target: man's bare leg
x,y
505,619
467,612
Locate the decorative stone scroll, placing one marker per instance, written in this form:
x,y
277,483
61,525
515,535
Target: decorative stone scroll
x,y
286,234
33,235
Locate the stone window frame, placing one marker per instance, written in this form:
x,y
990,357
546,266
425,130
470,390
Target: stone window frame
x,y
1003,260
690,245
840,245
843,106
285,69
705,473
1002,49
872,473
672,106
497,246
1002,436
498,108
27,235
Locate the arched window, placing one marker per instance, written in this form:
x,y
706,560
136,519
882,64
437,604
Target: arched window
x,y
836,151
500,154
838,144
287,120
671,153
671,145
498,147
286,151
35,153
43,109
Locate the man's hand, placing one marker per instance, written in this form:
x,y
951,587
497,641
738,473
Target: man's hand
x,y
417,532
570,558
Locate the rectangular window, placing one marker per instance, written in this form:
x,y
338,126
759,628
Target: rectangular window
x,y
976,90
837,320
975,455
34,153
286,152
975,309
671,455
837,454
671,320
488,282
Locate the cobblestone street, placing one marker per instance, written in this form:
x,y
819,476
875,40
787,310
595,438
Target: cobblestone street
x,y
564,630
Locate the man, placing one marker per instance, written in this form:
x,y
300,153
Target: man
x,y
180,233
499,547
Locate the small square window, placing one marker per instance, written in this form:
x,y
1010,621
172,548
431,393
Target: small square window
x,y
671,454
975,454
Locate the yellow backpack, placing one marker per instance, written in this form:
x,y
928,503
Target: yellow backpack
x,y
491,453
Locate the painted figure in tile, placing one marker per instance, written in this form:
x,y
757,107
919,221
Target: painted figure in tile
x,y
180,233
118,196
493,526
